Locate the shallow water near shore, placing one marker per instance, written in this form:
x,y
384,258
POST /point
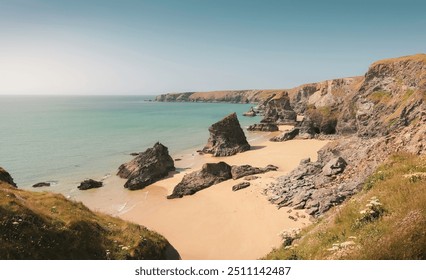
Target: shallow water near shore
x,y
65,139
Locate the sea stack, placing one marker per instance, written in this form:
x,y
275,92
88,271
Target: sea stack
x,y
147,168
226,138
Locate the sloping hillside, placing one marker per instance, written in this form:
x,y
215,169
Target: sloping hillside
x,y
41,225
386,220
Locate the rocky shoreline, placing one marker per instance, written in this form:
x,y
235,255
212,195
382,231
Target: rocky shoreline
x,y
367,118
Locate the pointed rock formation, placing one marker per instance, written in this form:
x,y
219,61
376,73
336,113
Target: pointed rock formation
x,y
147,167
226,138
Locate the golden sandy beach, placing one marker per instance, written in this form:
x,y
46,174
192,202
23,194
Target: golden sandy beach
x,y
215,223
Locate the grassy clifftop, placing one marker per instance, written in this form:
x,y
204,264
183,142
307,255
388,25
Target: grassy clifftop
x,y
48,226
387,220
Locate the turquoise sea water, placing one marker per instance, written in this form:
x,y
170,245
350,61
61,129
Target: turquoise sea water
x,y
70,138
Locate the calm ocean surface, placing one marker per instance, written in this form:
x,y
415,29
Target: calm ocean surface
x,y
65,139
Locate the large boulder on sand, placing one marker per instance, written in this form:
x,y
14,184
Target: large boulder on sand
x,y
226,138
5,177
210,174
147,167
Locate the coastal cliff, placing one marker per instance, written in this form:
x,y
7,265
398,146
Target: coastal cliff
x,y
44,226
230,96
368,118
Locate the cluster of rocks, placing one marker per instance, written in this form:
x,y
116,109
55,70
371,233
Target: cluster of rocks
x,y
147,167
303,188
226,138
214,173
277,110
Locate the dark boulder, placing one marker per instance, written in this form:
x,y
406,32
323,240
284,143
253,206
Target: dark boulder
x,y
5,177
263,127
285,136
89,184
210,174
41,184
147,167
239,171
226,138
240,186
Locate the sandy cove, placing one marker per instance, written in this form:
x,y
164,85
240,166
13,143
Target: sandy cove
x,y
215,223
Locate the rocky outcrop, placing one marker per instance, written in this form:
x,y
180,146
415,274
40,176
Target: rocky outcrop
x,y
89,184
240,186
250,113
41,184
304,188
263,127
147,167
285,136
239,171
209,175
6,178
279,111
226,138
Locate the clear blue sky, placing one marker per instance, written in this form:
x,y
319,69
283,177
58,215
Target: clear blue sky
x,y
150,47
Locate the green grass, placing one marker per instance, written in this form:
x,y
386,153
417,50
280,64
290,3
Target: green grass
x,y
380,96
41,225
394,230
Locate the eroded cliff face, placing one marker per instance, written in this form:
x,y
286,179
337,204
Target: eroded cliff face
x,y
387,114
391,96
371,117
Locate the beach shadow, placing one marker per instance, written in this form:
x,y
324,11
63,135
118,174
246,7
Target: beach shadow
x,y
253,148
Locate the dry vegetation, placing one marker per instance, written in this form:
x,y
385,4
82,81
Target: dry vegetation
x,y
48,226
387,220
